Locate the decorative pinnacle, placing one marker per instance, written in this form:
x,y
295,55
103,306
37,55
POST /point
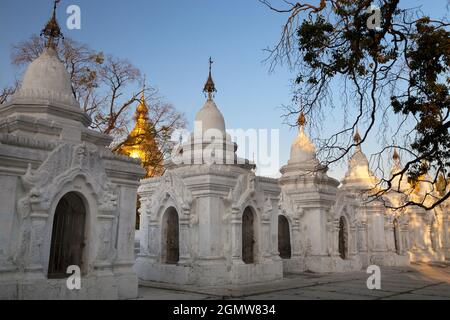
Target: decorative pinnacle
x,y
395,156
210,87
142,109
357,137
52,31
143,88
301,120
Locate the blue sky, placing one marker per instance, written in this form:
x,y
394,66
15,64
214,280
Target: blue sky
x,y
171,42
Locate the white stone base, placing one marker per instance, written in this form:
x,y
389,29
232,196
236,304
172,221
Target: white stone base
x,y
417,255
294,265
389,259
253,273
103,287
325,264
210,274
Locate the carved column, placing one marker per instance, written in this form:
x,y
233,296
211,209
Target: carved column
x,y
265,235
389,232
296,237
236,237
353,237
363,236
446,234
185,256
104,240
36,244
335,238
154,240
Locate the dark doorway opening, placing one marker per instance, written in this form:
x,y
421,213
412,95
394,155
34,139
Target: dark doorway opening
x,y
284,238
343,238
248,236
68,232
171,237
396,236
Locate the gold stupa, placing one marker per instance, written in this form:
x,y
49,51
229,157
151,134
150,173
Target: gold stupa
x,y
141,142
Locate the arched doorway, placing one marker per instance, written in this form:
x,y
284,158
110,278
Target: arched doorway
x,y
171,237
67,235
284,238
343,238
396,236
248,236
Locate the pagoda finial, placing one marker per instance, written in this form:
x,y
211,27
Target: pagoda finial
x,y
395,156
301,120
52,31
142,109
357,137
210,87
143,88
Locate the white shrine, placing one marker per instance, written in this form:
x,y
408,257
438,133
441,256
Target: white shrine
x,y
65,199
206,223
209,220
336,227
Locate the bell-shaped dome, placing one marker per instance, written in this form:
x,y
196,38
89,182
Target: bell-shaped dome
x,y
399,182
209,117
358,173
358,165
302,149
47,79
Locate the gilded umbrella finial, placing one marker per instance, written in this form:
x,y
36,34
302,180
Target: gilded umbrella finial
x,y
301,120
210,87
357,137
395,156
52,31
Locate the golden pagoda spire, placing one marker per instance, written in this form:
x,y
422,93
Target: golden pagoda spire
x,y
142,109
301,120
395,156
357,138
52,31
210,87
141,142
143,90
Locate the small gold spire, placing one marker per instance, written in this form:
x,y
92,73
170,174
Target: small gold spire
x,y
357,137
142,109
210,87
395,156
143,90
52,31
301,120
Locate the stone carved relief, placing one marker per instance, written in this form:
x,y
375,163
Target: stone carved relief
x,y
63,165
105,237
286,206
172,186
245,191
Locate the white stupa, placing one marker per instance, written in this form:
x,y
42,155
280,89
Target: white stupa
x,y
359,176
68,204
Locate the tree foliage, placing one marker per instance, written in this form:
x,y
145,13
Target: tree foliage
x,y
400,68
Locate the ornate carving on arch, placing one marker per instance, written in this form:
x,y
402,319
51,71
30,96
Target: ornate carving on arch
x,y
268,208
62,166
170,187
245,194
348,212
285,205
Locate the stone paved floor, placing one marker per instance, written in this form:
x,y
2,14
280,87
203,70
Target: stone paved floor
x,y
420,281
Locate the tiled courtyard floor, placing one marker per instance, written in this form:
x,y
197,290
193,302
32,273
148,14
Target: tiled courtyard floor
x,y
420,281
